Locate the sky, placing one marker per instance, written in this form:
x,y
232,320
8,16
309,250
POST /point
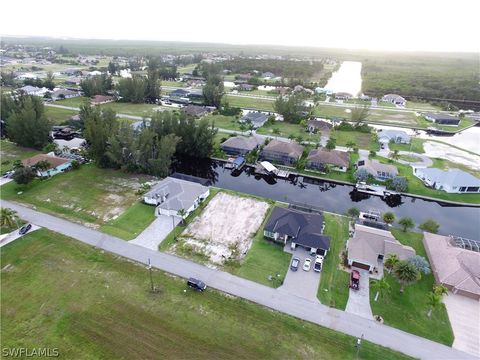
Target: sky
x,y
408,25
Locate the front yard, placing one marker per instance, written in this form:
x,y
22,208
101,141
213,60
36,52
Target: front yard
x,y
408,311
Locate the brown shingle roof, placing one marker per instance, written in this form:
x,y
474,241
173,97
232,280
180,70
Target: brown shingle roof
x,y
288,148
333,157
101,98
319,124
52,160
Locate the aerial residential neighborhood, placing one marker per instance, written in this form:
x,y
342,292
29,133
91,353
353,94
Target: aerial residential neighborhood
x,y
181,185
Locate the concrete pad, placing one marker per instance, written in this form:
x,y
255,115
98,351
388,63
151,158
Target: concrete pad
x,y
464,315
359,300
158,230
4,181
14,235
302,283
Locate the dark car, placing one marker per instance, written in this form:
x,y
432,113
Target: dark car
x,y
196,284
294,264
24,229
355,280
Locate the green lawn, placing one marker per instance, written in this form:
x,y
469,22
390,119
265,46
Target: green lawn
x,y
415,146
251,103
89,194
362,140
177,84
130,109
72,102
224,122
408,311
10,152
59,116
132,221
287,129
333,290
60,293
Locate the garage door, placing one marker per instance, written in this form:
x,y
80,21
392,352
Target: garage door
x,y
361,266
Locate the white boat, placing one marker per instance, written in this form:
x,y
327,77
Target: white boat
x,y
374,189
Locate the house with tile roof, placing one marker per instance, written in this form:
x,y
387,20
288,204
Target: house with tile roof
x,y
282,152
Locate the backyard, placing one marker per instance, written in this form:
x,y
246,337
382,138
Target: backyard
x,y
408,310
90,304
10,152
57,115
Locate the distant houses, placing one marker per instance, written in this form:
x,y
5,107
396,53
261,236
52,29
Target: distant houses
x,y
396,136
241,145
32,90
60,94
321,159
282,152
256,118
245,87
343,96
101,99
317,125
450,181
196,110
395,99
378,170
56,165
442,119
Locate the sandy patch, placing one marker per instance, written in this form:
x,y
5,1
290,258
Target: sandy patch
x,y
226,227
442,151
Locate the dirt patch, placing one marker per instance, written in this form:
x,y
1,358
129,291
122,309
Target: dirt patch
x,y
225,229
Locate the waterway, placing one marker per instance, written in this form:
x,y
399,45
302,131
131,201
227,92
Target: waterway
x,y
337,198
347,78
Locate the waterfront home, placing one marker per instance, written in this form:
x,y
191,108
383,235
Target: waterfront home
x,y
368,247
256,118
453,265
378,170
171,195
300,228
394,99
442,119
56,164
450,181
396,136
241,145
321,159
282,152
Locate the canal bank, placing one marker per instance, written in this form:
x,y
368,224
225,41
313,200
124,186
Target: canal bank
x,y
336,197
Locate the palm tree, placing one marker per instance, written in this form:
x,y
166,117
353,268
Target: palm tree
x,y
407,223
381,286
440,289
406,274
394,155
42,165
434,300
276,131
182,213
350,145
8,218
391,261
389,217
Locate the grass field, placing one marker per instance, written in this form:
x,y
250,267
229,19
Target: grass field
x,y
333,290
72,102
88,195
362,140
131,222
288,129
10,152
250,103
415,146
60,293
224,122
57,115
408,311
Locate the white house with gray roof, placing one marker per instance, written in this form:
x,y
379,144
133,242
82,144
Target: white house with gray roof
x,y
378,170
396,136
171,194
394,99
451,180
241,145
257,118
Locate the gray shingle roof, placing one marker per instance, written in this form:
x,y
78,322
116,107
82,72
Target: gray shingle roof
x,y
292,149
257,118
453,177
242,142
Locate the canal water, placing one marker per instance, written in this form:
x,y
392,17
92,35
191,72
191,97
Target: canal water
x,y
337,198
347,78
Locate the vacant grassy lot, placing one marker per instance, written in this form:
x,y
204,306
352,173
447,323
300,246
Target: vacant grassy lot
x,y
286,130
408,311
72,102
224,122
362,140
10,152
89,194
333,290
57,115
131,222
249,103
415,146
130,109
61,293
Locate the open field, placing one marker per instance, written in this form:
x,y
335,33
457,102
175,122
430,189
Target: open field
x,y
89,195
90,304
224,122
416,146
333,289
57,115
222,238
361,139
10,152
408,310
72,102
287,130
249,103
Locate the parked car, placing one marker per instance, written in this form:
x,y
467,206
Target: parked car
x,y
294,264
317,266
24,229
355,280
307,264
8,174
196,284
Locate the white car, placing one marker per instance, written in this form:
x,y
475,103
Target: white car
x,y
317,266
307,264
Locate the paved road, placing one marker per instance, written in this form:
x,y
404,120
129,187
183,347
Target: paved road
x,y
278,300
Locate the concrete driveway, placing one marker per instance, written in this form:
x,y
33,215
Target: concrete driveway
x,y
302,283
14,235
158,230
359,300
464,315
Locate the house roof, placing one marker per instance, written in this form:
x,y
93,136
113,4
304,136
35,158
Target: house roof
x,y
374,166
319,124
65,92
333,157
451,265
179,92
179,194
29,88
306,228
195,110
367,243
437,116
452,177
101,98
242,142
54,161
292,149
393,98
393,134
254,117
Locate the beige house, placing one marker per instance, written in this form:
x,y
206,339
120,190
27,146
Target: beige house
x,y
456,268
368,247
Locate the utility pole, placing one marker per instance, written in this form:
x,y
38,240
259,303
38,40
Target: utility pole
x,y
151,277
358,345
